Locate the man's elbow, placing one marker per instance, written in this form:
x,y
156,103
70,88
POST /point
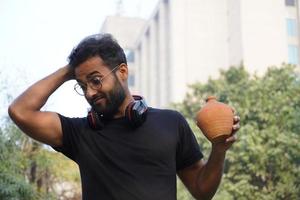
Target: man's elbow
x,y
202,196
12,111
15,113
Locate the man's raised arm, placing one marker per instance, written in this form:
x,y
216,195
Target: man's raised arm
x,y
25,110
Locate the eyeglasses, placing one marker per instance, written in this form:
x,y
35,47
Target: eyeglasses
x,y
94,82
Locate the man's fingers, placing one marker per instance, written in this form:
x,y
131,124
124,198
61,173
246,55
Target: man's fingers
x,y
236,119
232,138
236,127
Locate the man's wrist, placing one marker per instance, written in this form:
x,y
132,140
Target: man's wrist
x,y
218,149
68,72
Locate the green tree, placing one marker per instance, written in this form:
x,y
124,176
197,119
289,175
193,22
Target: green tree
x,y
265,161
28,169
12,166
13,184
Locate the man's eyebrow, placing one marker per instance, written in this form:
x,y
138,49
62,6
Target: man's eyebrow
x,y
93,73
89,76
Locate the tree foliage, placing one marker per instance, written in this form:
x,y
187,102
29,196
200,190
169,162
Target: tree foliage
x,y
265,161
12,164
28,169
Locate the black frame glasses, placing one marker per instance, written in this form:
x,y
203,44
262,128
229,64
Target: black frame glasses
x,y
95,83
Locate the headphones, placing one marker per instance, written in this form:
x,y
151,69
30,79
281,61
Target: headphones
x,y
135,113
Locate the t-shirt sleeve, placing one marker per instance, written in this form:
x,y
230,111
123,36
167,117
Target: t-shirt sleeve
x,y
188,150
71,128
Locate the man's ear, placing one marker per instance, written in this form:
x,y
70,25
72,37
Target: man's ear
x,y
123,71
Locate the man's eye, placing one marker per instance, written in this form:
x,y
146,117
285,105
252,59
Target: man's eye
x,y
96,81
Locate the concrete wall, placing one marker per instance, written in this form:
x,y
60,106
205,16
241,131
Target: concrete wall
x,y
186,41
263,34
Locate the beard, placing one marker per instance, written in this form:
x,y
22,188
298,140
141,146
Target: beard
x,y
114,100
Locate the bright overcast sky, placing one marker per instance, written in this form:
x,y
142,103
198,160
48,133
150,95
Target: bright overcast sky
x,y
36,36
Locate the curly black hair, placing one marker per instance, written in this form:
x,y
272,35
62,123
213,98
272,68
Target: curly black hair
x,y
103,45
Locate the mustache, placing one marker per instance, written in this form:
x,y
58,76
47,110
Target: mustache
x,y
95,98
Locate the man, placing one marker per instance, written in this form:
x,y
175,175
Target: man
x,y
124,149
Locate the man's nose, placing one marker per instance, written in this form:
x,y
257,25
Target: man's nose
x,y
90,92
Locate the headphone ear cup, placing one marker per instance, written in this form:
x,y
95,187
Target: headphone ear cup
x,y
136,112
94,120
128,113
137,116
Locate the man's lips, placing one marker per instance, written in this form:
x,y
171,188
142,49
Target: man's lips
x,y
97,100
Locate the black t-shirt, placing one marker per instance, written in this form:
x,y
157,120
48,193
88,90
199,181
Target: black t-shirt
x,y
122,163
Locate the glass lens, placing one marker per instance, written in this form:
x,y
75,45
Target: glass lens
x,y
95,82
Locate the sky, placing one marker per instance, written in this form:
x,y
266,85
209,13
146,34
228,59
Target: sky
x,y
36,37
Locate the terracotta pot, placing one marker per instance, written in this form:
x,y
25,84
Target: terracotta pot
x,y
215,119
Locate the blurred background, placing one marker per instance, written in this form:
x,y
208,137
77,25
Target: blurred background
x,y
245,52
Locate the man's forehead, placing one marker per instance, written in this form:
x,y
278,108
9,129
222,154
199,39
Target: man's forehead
x,y
91,66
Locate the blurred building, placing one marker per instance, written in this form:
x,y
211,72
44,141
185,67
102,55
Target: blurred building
x,y
126,30
186,41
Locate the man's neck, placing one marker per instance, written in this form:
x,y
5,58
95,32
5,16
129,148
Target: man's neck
x,y
122,108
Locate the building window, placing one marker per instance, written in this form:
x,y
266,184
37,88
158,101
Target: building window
x,y
131,80
290,2
293,53
291,25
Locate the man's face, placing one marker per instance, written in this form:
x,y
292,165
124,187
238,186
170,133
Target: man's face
x,y
107,97
113,100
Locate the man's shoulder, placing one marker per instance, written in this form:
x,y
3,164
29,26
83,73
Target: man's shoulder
x,y
164,112
77,121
